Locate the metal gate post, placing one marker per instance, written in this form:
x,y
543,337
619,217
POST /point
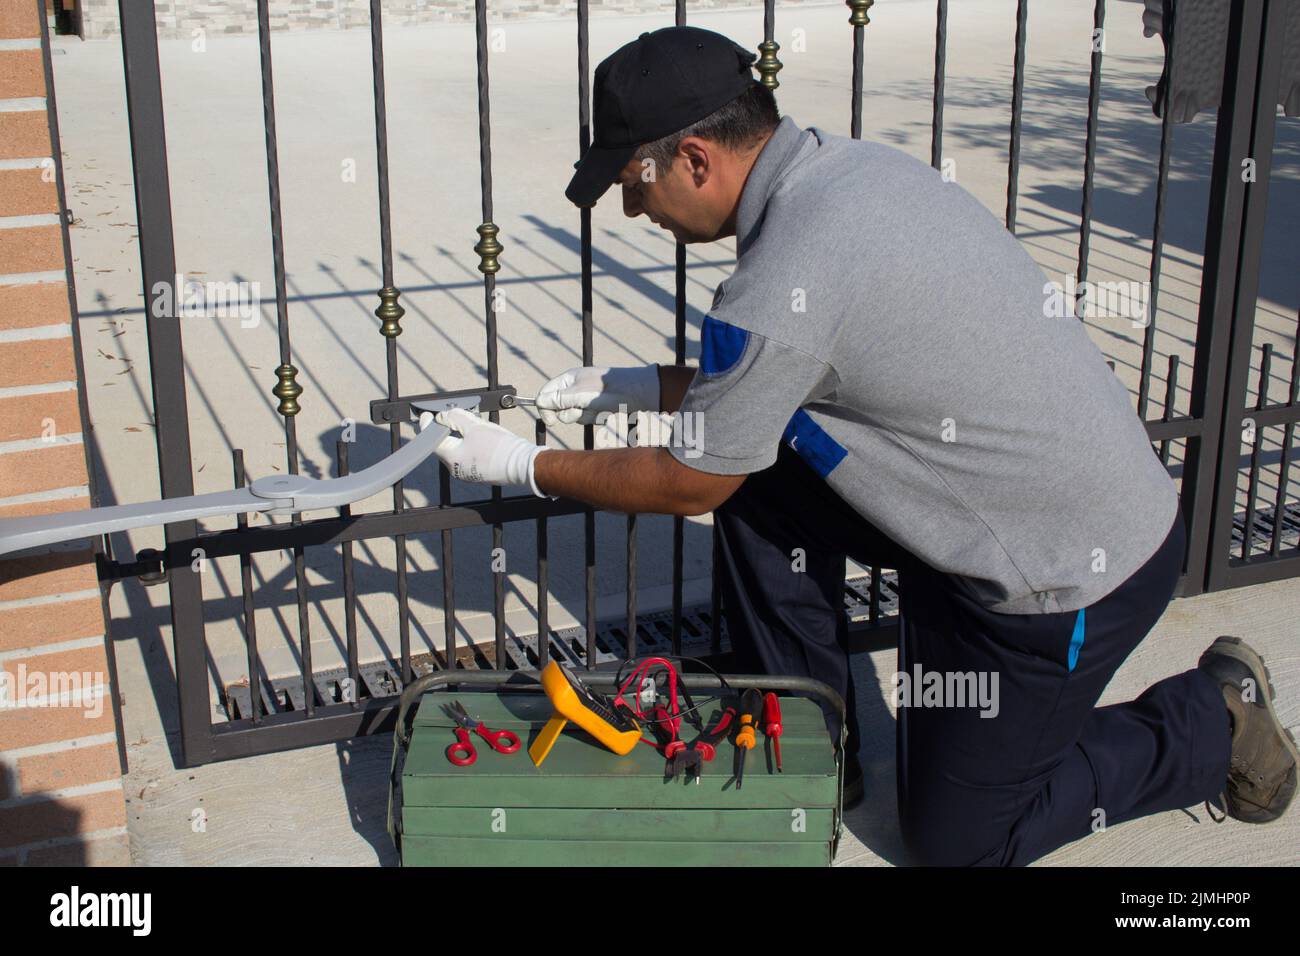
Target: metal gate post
x,y
1219,283
1266,37
167,366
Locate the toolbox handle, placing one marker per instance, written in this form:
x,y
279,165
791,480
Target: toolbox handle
x,y
601,680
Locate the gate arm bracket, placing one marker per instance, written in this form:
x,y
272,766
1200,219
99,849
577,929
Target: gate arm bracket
x,y
274,494
385,412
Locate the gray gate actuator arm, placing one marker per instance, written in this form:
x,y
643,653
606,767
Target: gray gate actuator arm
x,y
274,494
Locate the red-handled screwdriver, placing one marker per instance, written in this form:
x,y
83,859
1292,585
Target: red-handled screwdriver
x,y
772,724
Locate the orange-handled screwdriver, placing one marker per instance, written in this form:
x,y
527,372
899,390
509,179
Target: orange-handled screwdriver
x,y
751,708
772,724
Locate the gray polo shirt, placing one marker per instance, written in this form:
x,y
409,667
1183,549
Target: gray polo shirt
x,y
885,325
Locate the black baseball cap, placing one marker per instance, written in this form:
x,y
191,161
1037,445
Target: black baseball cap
x,y
657,84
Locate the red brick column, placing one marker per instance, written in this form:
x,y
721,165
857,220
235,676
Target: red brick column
x,y
61,798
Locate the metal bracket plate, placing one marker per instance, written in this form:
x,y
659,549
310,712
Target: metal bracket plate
x,y
385,412
435,405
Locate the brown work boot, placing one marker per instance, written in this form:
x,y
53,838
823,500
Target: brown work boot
x,y
1262,774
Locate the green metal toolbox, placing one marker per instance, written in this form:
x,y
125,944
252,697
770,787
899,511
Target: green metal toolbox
x,y
586,806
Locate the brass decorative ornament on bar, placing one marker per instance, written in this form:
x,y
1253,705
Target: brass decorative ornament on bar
x,y
858,17
768,65
488,249
288,390
389,312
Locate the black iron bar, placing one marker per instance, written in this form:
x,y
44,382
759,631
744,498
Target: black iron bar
x,y
489,249
287,390
1017,110
1288,438
448,579
1223,238
399,541
1261,117
940,74
768,65
392,327
679,359
304,629
1171,394
873,606
1090,150
1158,229
152,190
543,567
349,588
382,524
250,611
1277,413
1265,570
288,409
859,19
381,138
1178,429
679,523
588,435
1256,446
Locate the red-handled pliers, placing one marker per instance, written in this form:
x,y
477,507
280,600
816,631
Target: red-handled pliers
x,y
688,762
462,753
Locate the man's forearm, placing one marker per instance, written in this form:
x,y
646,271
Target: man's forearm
x,y
631,480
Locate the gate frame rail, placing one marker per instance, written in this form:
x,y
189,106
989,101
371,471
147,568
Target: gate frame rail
x,y
1257,33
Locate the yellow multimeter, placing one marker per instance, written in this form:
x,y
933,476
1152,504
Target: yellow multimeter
x,y
594,713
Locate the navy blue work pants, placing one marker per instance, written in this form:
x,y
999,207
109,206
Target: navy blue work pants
x,y
1051,766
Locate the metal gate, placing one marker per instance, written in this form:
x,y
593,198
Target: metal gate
x,y
317,707
1241,540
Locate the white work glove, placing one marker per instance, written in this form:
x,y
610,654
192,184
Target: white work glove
x,y
582,394
486,452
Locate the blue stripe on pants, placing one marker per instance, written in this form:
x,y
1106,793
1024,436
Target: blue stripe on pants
x,y
1076,639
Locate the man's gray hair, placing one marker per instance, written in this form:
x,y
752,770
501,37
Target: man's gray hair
x,y
738,125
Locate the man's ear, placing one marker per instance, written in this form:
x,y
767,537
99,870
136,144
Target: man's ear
x,y
699,158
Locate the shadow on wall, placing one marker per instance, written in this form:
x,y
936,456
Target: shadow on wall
x,y
34,822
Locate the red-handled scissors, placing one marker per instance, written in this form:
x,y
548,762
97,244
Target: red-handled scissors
x,y
462,753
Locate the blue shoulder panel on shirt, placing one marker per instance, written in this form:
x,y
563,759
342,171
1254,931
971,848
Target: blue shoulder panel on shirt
x,y
822,452
721,345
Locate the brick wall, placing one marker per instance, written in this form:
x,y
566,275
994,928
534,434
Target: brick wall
x,y
61,798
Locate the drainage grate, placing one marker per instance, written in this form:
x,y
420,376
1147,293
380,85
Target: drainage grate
x,y
1261,539
568,645
857,597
